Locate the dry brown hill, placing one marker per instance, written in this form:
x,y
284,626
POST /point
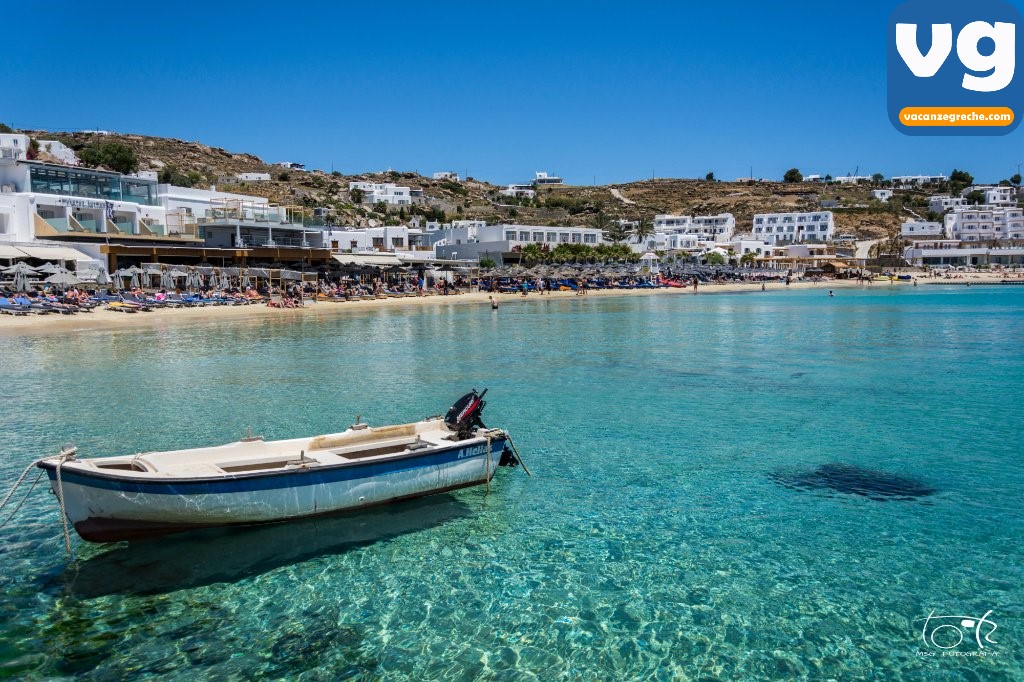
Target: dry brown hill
x,y
201,165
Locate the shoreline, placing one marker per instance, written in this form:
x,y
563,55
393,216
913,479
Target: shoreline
x,y
103,319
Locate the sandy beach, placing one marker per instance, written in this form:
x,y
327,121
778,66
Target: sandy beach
x,y
102,318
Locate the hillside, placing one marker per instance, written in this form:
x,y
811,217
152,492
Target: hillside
x,y
201,165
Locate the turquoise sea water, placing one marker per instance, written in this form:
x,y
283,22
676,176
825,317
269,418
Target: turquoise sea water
x,y
656,539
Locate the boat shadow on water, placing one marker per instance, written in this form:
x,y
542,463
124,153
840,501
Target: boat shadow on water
x,y
847,479
227,555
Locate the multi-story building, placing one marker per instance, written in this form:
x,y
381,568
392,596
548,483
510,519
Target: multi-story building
x,y
943,202
985,223
994,195
712,228
792,228
520,191
718,228
475,239
386,192
102,216
447,175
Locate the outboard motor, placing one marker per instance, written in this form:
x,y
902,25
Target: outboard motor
x,y
464,416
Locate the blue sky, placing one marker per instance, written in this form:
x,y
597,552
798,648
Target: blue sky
x,y
594,91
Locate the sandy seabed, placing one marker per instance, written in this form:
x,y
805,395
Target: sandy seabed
x,y
102,318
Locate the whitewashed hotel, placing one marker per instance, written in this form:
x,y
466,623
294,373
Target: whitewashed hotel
x,y
985,223
716,228
793,228
97,217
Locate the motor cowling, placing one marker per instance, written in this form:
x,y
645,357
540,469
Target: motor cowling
x,y
464,415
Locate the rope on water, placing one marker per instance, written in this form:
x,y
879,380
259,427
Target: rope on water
x,y
64,456
30,489
487,463
518,456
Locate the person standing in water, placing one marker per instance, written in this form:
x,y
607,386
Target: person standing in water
x,y
494,304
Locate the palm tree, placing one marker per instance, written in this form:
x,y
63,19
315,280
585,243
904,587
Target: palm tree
x,y
532,254
643,230
748,258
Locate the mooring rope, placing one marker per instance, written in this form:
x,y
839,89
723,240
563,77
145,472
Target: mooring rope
x,y
17,483
31,488
518,456
60,498
487,464
64,456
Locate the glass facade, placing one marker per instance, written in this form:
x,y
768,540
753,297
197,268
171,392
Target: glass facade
x,y
92,185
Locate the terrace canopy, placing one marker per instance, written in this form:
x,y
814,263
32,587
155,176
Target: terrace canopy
x,y
371,260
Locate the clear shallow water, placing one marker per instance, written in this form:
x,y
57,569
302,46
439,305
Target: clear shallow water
x,y
652,541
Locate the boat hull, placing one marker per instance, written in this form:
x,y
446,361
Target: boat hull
x,y
108,508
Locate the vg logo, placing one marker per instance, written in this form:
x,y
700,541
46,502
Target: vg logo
x,y
952,67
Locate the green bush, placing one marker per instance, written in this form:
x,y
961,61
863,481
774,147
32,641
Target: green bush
x,y
112,154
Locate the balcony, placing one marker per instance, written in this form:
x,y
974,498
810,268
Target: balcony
x,y
96,229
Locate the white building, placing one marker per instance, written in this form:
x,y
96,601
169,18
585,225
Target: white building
x,y
921,228
714,228
994,195
667,222
952,252
447,175
389,238
985,223
475,239
943,202
851,179
882,194
519,191
542,178
59,151
792,228
253,177
909,181
291,165
718,228
13,147
386,192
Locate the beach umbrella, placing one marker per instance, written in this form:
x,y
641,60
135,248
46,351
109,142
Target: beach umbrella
x,y
245,279
50,268
166,280
63,279
225,281
19,267
177,273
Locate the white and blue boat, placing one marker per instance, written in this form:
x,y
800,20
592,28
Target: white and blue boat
x,y
251,481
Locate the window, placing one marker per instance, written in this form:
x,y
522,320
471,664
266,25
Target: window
x,y
524,236
552,237
590,239
563,237
576,237
510,236
538,236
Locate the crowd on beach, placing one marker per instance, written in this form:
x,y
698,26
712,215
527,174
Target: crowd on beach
x,y
51,299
